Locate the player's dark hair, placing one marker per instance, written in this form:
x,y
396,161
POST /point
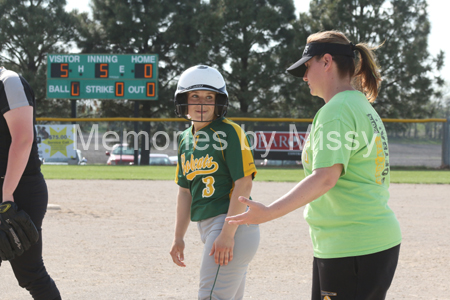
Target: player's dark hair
x,y
364,72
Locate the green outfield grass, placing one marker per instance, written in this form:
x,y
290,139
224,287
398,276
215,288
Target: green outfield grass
x,y
264,174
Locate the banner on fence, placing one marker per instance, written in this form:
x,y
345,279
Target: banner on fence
x,y
279,144
56,142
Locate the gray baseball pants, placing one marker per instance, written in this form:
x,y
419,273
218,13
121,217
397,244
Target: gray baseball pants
x,y
225,282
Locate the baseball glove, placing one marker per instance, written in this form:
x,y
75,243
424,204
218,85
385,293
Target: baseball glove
x,y
17,231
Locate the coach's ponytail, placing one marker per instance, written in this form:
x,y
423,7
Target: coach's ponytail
x,y
367,76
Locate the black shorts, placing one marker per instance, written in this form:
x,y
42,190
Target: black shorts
x,y
366,277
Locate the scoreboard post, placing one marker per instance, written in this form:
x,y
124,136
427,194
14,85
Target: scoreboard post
x,y
102,76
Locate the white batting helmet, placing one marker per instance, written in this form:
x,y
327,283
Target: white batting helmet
x,y
201,77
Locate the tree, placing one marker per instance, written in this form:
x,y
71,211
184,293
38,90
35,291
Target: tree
x,y
29,29
295,99
168,28
402,26
244,36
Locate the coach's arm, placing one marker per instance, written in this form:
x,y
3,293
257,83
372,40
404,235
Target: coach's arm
x,y
312,187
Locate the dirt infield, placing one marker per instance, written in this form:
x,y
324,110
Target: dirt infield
x,y
111,240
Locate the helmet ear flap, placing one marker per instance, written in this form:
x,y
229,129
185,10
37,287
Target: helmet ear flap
x,y
181,107
221,105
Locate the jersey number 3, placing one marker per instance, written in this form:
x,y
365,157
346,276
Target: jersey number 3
x,y
208,191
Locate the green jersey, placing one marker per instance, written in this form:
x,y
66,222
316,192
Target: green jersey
x,y
353,217
209,162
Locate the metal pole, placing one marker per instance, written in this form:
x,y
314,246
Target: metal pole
x,y
73,105
121,148
136,130
146,143
446,145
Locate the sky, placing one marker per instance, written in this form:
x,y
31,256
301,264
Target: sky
x,y
437,40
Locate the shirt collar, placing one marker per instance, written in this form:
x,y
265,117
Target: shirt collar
x,y
220,119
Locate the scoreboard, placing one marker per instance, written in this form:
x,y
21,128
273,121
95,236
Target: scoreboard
x,y
102,76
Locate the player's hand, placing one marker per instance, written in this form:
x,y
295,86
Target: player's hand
x,y
257,213
177,252
223,249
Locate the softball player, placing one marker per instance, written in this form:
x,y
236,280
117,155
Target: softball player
x,y
215,166
355,235
21,179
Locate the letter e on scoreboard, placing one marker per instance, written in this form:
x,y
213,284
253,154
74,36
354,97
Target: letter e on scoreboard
x,y
150,89
120,89
75,88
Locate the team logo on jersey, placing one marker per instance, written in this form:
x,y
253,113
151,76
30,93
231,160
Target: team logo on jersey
x,y
198,166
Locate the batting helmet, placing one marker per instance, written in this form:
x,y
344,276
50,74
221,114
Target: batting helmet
x,y
201,78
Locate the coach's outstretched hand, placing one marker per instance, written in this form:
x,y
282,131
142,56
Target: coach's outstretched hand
x,y
257,213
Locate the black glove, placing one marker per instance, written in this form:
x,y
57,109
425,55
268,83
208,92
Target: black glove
x,y
17,231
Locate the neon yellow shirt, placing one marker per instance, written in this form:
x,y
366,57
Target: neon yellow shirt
x,y
353,217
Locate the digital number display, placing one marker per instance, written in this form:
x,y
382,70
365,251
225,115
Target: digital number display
x,y
59,70
101,70
120,89
150,89
75,88
143,71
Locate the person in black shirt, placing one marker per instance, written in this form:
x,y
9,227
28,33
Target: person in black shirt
x,y
21,179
